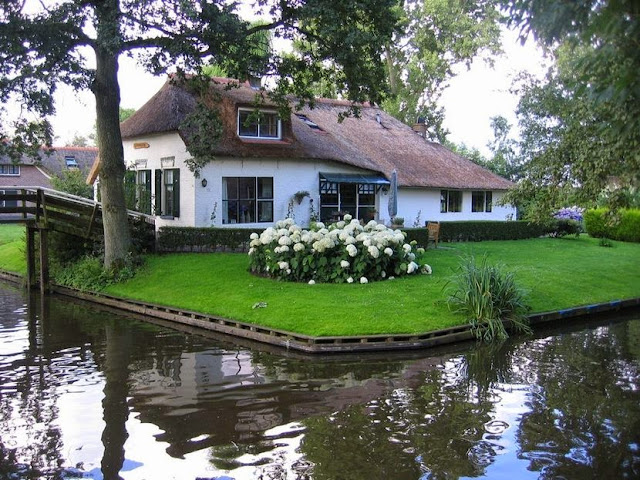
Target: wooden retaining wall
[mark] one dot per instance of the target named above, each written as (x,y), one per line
(317,345)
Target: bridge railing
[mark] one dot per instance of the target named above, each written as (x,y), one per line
(56,210)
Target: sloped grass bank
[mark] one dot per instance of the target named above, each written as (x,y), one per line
(12,248)
(557,273)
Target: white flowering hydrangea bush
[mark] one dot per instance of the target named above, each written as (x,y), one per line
(343,252)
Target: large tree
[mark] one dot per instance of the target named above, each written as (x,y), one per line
(437,36)
(79,43)
(581,124)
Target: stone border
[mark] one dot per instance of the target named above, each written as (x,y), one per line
(316,345)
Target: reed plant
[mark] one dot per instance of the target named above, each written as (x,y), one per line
(489,298)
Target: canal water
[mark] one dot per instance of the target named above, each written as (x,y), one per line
(90,394)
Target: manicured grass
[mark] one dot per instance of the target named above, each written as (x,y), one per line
(557,273)
(12,248)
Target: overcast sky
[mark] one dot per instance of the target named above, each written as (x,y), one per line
(473,97)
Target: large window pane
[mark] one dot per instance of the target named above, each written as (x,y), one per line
(265,187)
(247,127)
(240,204)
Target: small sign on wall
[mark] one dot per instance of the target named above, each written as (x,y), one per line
(139,145)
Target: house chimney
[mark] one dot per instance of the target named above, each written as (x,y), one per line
(420,127)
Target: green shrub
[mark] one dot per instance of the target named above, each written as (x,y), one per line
(208,239)
(479,230)
(562,227)
(624,225)
(628,230)
(488,297)
(595,223)
(88,273)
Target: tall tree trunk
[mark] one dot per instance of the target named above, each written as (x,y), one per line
(106,89)
(391,70)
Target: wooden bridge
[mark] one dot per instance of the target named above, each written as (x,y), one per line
(43,210)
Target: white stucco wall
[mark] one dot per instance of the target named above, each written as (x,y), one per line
(289,177)
(166,145)
(197,202)
(426,202)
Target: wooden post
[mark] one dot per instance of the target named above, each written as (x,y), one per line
(44,262)
(31,257)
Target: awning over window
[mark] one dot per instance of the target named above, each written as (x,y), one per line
(353,178)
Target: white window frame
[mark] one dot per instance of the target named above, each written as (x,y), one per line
(7,173)
(259,137)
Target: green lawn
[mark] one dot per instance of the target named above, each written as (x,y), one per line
(12,248)
(557,274)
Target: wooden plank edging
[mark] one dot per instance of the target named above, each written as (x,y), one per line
(310,344)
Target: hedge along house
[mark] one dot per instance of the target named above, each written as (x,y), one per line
(264,168)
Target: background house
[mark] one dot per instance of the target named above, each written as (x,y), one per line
(262,161)
(30,172)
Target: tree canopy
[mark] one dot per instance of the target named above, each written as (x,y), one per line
(581,123)
(436,36)
(79,43)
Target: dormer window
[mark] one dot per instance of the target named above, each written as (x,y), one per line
(263,124)
(70,161)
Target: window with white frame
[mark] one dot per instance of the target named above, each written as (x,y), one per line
(10,170)
(450,201)
(247,200)
(259,124)
(481,201)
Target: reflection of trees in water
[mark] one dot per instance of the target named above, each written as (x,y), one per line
(435,429)
(585,419)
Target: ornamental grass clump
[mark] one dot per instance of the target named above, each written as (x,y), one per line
(488,297)
(343,252)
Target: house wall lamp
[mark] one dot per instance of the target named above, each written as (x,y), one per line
(204,182)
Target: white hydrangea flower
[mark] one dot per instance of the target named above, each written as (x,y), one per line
(284,248)
(406,247)
(347,218)
(340,224)
(373,251)
(364,280)
(283,265)
(350,280)
(366,242)
(344,264)
(312,282)
(350,240)
(411,256)
(383,274)
(421,251)
(352,250)
(426,269)
(298,247)
(388,251)
(254,236)
(319,225)
(252,250)
(412,267)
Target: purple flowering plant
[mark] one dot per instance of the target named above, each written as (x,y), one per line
(569,213)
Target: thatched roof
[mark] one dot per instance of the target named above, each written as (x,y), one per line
(376,141)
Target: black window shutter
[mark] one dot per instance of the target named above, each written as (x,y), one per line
(176,192)
(158,202)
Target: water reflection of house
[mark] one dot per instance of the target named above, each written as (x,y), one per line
(215,397)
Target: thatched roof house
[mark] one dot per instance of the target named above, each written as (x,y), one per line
(375,141)
(375,144)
